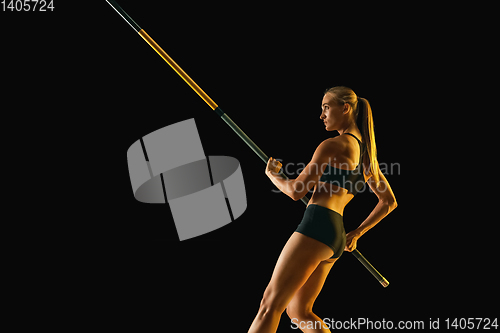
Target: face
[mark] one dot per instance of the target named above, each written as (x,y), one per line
(332,114)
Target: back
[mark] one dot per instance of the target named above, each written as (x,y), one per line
(351,180)
(343,178)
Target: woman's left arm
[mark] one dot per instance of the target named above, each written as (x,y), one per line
(309,177)
(386,204)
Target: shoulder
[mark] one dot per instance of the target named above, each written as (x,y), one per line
(331,147)
(337,144)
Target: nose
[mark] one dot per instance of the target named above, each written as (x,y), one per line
(322,116)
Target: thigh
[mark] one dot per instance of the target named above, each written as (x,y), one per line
(304,298)
(298,260)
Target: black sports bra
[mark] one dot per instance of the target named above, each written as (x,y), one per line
(351,180)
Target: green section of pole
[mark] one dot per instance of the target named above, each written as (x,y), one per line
(245,137)
(125,16)
(383,281)
(224,116)
(253,146)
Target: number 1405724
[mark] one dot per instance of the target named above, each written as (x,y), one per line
(471,323)
(27,5)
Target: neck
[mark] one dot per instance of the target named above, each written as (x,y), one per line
(349,128)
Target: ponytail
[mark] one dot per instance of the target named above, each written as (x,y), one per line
(365,119)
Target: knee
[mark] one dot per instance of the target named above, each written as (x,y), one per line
(298,310)
(271,304)
(291,312)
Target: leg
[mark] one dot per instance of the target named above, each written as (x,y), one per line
(298,260)
(300,307)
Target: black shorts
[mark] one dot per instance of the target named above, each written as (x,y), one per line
(324,225)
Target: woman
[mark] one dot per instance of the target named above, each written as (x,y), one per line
(339,167)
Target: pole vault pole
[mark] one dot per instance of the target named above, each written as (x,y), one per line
(224,116)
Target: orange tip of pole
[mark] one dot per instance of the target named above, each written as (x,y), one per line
(177,69)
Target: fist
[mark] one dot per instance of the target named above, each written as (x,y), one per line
(351,241)
(273,166)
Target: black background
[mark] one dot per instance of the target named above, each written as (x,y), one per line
(267,67)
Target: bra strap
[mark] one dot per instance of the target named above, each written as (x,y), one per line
(353,137)
(361,150)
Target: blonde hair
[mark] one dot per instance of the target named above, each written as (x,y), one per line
(364,120)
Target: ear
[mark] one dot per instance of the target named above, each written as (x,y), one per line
(347,108)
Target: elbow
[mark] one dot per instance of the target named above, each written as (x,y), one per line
(296,196)
(391,204)
(300,189)
(297,191)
